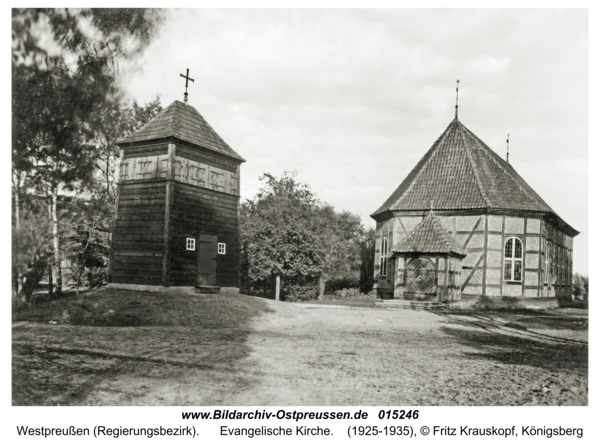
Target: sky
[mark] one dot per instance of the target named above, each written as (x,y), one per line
(352,99)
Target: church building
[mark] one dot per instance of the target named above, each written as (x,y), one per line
(177,213)
(464,226)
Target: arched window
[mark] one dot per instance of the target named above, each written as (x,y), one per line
(513,259)
(384,249)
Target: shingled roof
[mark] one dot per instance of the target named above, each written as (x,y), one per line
(185,123)
(460,172)
(429,236)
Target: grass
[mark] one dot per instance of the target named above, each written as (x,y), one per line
(119,308)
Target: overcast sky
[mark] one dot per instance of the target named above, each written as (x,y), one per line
(352,99)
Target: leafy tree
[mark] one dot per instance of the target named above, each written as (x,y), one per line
(278,238)
(114,119)
(367,260)
(580,286)
(65,66)
(338,236)
(105,34)
(86,240)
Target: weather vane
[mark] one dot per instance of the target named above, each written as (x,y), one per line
(187,78)
(456,106)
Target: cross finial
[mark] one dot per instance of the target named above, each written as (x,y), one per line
(456,106)
(187,78)
(507,136)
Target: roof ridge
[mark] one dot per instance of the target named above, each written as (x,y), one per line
(436,148)
(473,166)
(503,168)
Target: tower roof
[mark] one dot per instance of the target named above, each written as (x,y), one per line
(429,236)
(185,123)
(460,172)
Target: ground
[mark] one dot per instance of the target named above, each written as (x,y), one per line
(112,347)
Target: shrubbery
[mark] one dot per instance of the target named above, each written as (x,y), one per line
(354,294)
(302,293)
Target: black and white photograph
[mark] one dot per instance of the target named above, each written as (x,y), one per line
(273,210)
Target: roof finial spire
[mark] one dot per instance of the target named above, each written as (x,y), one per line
(507,136)
(456,106)
(187,78)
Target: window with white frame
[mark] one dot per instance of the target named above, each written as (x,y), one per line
(190,244)
(513,259)
(221,248)
(383,266)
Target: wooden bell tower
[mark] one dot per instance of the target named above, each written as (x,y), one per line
(177,212)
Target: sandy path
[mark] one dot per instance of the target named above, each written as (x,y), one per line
(306,355)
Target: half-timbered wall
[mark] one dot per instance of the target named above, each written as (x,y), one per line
(484,236)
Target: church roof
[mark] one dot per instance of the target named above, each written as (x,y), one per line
(460,172)
(185,123)
(429,236)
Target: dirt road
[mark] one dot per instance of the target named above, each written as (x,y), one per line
(310,355)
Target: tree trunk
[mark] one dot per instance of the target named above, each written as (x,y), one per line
(277,282)
(18,272)
(50,279)
(17,206)
(322,284)
(55,240)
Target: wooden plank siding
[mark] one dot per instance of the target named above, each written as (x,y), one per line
(195,211)
(137,238)
(170,191)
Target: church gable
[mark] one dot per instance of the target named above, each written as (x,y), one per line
(430,237)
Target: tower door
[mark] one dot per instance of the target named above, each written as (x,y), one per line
(420,279)
(207,260)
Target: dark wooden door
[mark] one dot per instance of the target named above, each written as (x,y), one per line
(207,260)
(420,279)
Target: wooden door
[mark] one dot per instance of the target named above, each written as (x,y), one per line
(420,279)
(207,260)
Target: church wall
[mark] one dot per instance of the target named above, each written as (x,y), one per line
(137,247)
(484,236)
(557,262)
(196,210)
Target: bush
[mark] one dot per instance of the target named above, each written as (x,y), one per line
(348,293)
(302,293)
(96,277)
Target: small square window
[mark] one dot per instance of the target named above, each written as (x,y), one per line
(221,248)
(190,244)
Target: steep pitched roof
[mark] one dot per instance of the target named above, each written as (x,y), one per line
(184,122)
(461,172)
(429,237)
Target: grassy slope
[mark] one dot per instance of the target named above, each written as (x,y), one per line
(118,308)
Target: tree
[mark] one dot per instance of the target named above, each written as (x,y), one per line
(278,238)
(65,67)
(580,286)
(114,119)
(338,236)
(367,260)
(52,118)
(108,35)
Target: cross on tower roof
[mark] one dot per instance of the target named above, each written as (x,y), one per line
(187,78)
